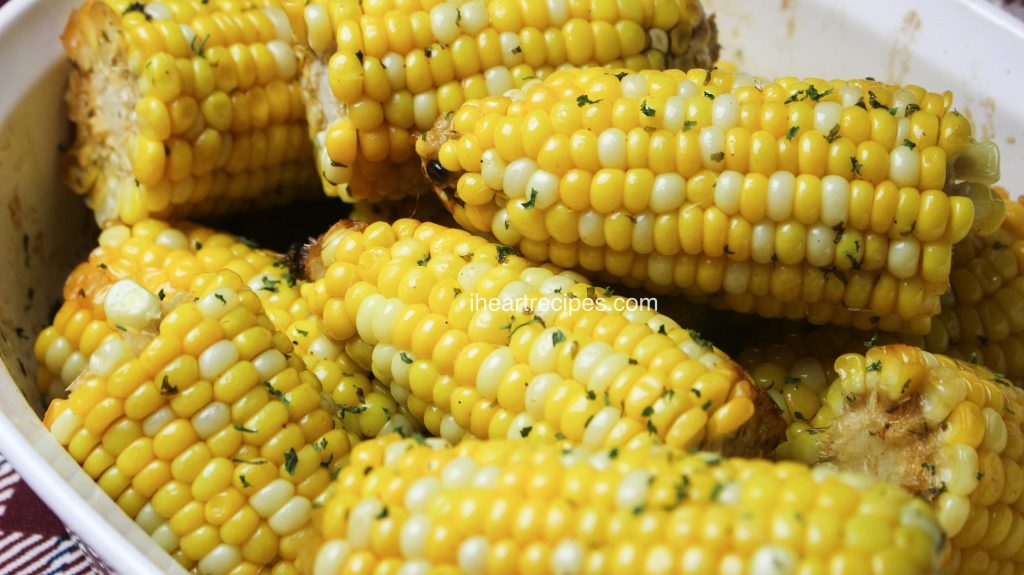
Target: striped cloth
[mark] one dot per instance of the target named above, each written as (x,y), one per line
(32,540)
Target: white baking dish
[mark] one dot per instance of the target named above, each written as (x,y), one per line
(964,45)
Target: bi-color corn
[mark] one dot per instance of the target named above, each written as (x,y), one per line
(511,507)
(476,341)
(205,428)
(834,201)
(184,108)
(378,72)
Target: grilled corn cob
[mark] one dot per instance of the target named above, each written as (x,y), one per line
(185,107)
(205,429)
(475,340)
(378,71)
(836,201)
(155,257)
(948,431)
(506,507)
(982,318)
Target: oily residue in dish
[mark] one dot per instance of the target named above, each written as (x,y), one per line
(900,57)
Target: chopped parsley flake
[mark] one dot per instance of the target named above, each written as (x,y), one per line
(646,110)
(242,428)
(584,100)
(875,366)
(405,357)
(291,459)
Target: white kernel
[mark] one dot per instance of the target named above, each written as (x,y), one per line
(668,193)
(318,27)
(492,169)
(737,278)
(221,560)
(413,538)
(674,117)
(567,558)
(952,512)
(821,247)
(65,426)
(292,516)
(158,11)
(110,355)
(331,556)
(540,386)
(904,257)
(148,519)
(217,359)
(365,315)
(211,419)
(165,537)
(487,477)
(596,432)
(414,568)
(282,25)
(131,305)
(173,239)
(394,66)
(558,12)
(712,145)
(517,177)
(424,109)
(728,189)
(286,62)
(762,242)
(591,228)
(385,319)
(827,116)
(542,188)
(444,21)
(470,274)
(632,490)
(458,474)
(835,200)
(360,522)
(544,351)
(474,16)
(688,89)
(502,229)
(611,148)
(901,99)
(904,166)
(634,86)
(493,370)
(773,560)
(780,196)
(511,50)
(643,233)
(73,366)
(115,236)
(324,349)
(222,300)
(272,497)
(606,370)
(498,80)
(450,430)
(269,363)
(520,426)
(418,496)
(157,420)
(472,556)
(850,95)
(57,354)
(725,111)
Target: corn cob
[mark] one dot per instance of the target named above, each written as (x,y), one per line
(205,429)
(378,71)
(507,507)
(165,260)
(982,318)
(184,107)
(414,301)
(947,431)
(838,202)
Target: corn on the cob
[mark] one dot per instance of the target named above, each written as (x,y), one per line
(475,340)
(185,107)
(165,260)
(379,71)
(982,318)
(506,507)
(204,428)
(948,431)
(835,201)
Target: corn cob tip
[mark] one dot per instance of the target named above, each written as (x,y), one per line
(306,261)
